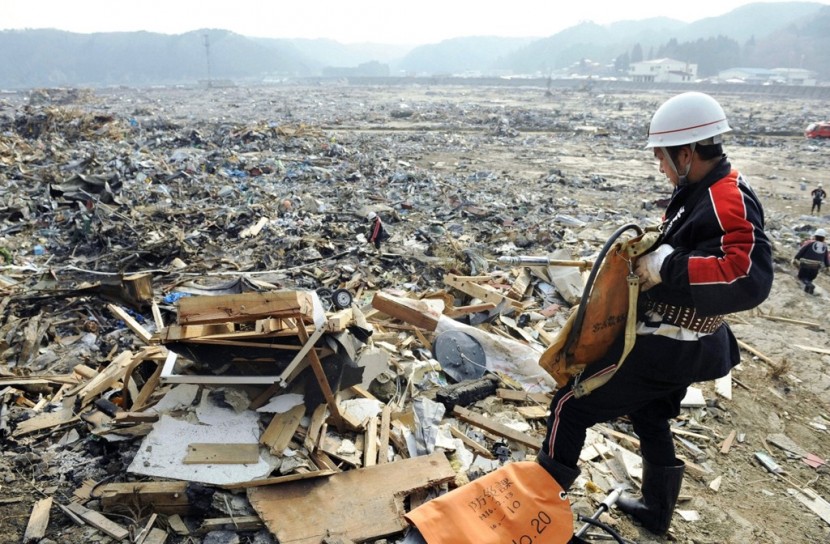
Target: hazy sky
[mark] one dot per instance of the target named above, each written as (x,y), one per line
(347,21)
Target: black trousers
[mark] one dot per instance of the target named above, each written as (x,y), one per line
(648,387)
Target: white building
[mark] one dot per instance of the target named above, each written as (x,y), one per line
(662,71)
(763,76)
(795,76)
(757,76)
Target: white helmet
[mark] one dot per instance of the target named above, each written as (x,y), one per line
(687,118)
(820,233)
(371,216)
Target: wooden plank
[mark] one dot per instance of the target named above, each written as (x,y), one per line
(38,521)
(136,417)
(131,323)
(727,444)
(281,429)
(523,396)
(156,536)
(318,418)
(361,504)
(157,318)
(45,421)
(237,523)
(370,443)
(338,321)
(322,381)
(145,531)
(383,442)
(520,285)
(414,312)
(813,501)
(245,307)
(277,480)
(162,497)
(221,454)
(173,333)
(458,311)
(99,521)
(495,427)
(150,387)
(477,448)
(481,292)
(106,378)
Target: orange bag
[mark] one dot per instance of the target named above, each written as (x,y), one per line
(606,310)
(519,503)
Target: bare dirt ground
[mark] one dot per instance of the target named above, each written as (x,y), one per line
(528,158)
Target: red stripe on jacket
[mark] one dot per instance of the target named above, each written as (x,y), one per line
(737,242)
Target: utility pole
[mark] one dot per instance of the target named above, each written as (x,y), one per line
(207,54)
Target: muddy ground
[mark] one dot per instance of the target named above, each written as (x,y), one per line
(527,157)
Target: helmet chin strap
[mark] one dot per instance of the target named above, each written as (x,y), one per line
(682,179)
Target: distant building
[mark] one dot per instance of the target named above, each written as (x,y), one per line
(367,69)
(756,76)
(764,76)
(795,76)
(662,71)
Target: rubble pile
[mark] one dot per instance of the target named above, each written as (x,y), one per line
(199,344)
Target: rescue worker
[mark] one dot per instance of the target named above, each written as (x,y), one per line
(377,233)
(818,195)
(713,259)
(811,257)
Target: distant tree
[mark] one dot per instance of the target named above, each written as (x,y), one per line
(650,53)
(622,62)
(637,53)
(710,54)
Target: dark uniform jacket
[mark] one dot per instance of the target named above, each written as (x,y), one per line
(722,259)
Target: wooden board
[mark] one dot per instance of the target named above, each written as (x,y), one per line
(38,521)
(281,429)
(245,307)
(98,521)
(45,421)
(415,312)
(360,504)
(221,454)
(161,497)
(496,428)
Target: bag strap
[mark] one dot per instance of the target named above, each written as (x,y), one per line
(585,387)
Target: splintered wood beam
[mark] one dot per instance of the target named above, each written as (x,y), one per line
(38,521)
(383,441)
(322,380)
(481,292)
(495,427)
(162,497)
(131,323)
(99,521)
(520,285)
(281,429)
(414,312)
(245,307)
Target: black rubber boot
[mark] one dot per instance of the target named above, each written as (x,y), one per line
(564,475)
(661,487)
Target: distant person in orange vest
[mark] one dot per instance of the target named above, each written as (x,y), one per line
(812,257)
(377,233)
(818,195)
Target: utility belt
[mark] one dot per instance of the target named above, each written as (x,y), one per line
(683,316)
(809,263)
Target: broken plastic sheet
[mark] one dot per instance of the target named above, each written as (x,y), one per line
(162,452)
(517,360)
